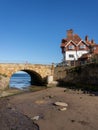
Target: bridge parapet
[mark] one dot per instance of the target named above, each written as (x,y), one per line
(9,69)
(37,72)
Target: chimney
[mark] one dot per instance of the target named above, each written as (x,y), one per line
(69,33)
(86,38)
(92,41)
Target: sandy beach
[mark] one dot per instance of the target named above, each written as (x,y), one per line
(80,114)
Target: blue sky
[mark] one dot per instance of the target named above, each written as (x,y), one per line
(31,30)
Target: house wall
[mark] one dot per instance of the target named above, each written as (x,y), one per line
(71,44)
(82,43)
(96,49)
(76,54)
(81,52)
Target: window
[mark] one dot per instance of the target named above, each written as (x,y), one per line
(82,46)
(71,56)
(70,47)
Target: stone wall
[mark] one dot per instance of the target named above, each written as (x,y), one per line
(60,72)
(81,75)
(9,69)
(3,82)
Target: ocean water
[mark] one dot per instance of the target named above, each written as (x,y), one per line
(20,80)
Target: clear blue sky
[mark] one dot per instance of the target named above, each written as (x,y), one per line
(31,30)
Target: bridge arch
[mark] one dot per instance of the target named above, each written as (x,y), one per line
(36,78)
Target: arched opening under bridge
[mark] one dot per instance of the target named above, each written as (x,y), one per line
(25,78)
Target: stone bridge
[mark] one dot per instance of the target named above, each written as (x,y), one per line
(37,72)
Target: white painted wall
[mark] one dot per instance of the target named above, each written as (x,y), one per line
(76,54)
(80,53)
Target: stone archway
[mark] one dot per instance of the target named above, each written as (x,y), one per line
(36,78)
(23,79)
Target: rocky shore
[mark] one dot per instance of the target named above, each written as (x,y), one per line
(50,109)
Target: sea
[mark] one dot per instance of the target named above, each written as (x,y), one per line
(20,81)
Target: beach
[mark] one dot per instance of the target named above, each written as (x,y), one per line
(38,110)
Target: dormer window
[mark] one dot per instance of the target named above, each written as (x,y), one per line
(71,47)
(82,46)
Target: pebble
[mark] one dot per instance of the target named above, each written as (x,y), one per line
(35,118)
(63,109)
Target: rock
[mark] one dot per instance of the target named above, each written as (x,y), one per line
(63,109)
(13,109)
(65,90)
(51,96)
(61,104)
(91,94)
(35,118)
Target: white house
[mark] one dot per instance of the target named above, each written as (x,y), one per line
(73,47)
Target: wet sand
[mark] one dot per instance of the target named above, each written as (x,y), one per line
(81,113)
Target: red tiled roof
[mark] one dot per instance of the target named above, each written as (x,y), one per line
(75,38)
(90,43)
